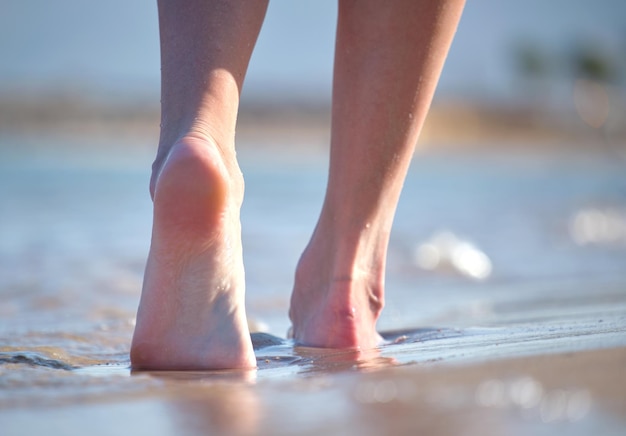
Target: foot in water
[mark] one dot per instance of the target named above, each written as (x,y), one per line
(191,314)
(338,293)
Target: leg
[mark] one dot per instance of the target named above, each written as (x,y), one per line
(388,59)
(191,314)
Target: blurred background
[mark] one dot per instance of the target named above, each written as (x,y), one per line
(544,68)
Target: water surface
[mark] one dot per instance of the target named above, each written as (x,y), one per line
(75,229)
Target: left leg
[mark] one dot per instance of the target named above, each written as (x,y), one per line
(192,314)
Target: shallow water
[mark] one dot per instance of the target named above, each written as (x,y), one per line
(75,228)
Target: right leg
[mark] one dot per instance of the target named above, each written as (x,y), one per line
(388,58)
(191,314)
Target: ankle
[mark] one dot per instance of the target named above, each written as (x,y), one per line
(344,276)
(351,252)
(202,152)
(341,313)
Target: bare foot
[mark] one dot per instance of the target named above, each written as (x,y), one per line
(191,314)
(338,293)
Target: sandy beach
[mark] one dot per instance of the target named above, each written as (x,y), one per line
(575,393)
(528,336)
(505,287)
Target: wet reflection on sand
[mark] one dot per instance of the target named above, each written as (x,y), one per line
(542,394)
(520,305)
(333,361)
(211,402)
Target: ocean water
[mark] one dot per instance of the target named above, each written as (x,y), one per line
(492,255)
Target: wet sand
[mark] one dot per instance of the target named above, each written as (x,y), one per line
(531,342)
(565,393)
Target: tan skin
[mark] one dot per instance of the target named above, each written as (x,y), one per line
(389,56)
